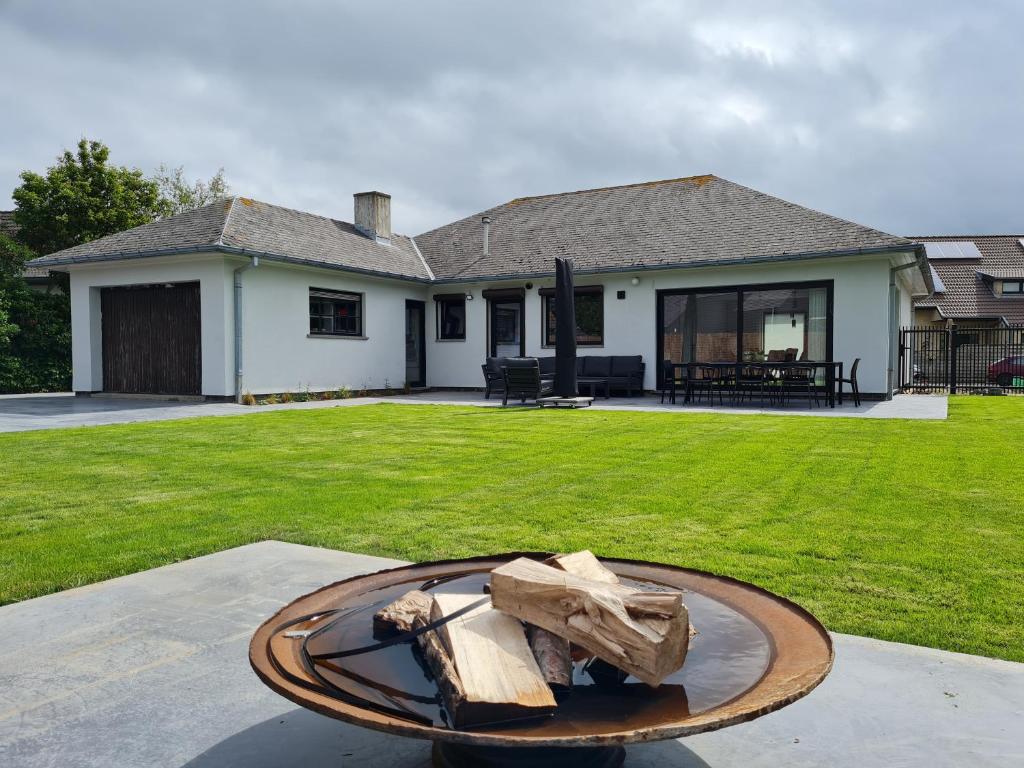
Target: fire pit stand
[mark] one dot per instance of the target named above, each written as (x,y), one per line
(755,652)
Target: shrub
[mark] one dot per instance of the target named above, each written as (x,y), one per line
(248,399)
(344,393)
(286,397)
(271,400)
(327,395)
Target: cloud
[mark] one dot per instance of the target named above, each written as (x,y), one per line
(900,116)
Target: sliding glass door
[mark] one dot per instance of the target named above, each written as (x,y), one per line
(777,322)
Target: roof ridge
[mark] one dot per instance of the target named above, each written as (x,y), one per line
(251,200)
(831,216)
(700,180)
(964,237)
(227,218)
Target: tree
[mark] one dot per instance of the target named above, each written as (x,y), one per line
(178,195)
(82,198)
(35,329)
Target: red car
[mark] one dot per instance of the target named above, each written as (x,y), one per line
(1003,372)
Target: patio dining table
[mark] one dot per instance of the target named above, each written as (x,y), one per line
(833,373)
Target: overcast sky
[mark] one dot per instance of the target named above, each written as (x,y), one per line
(904,116)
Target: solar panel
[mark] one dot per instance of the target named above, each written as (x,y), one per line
(952,249)
(937,281)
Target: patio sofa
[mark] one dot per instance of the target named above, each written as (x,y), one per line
(622,372)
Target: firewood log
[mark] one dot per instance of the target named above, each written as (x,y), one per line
(412,611)
(499,675)
(552,655)
(643,633)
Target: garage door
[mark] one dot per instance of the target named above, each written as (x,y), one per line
(151,339)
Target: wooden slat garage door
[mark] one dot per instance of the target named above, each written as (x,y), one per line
(151,339)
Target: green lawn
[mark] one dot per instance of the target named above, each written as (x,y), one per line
(900,530)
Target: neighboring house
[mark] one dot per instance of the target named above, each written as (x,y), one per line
(979,282)
(38,278)
(245,296)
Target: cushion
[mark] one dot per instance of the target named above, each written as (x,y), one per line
(626,365)
(580,363)
(547,364)
(494,364)
(520,362)
(597,365)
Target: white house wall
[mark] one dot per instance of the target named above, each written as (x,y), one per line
(214,277)
(860,315)
(278,352)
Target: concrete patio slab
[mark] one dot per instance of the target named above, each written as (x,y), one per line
(20,413)
(152,670)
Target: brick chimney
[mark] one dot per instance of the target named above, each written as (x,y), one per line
(373,215)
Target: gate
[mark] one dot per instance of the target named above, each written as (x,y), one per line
(962,359)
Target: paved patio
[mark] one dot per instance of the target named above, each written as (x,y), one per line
(19,413)
(152,670)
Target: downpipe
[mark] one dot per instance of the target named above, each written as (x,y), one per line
(894,324)
(253,263)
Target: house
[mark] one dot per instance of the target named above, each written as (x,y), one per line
(979,282)
(38,278)
(245,296)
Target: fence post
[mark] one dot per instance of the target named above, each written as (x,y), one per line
(951,346)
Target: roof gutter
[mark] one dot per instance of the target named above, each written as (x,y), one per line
(225,249)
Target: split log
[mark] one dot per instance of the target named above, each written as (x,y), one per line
(584,564)
(499,675)
(412,611)
(643,633)
(400,615)
(552,655)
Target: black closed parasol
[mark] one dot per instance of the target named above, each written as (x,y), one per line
(565,329)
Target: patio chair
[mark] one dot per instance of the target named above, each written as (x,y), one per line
(799,380)
(755,380)
(522,380)
(852,381)
(494,379)
(711,380)
(672,378)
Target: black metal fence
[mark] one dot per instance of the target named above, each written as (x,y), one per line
(962,359)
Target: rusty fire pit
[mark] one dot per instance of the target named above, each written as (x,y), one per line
(755,652)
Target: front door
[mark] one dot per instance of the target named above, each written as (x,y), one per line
(415,349)
(507,329)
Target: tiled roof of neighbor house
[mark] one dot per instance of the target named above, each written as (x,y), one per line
(241,225)
(9,228)
(968,294)
(678,222)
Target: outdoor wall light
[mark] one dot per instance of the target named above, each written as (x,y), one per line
(634,281)
(469,295)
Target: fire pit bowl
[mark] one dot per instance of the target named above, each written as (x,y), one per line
(755,652)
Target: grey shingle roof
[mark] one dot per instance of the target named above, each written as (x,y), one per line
(241,225)
(679,222)
(685,222)
(968,294)
(9,228)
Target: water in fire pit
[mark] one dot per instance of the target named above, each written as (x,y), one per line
(728,656)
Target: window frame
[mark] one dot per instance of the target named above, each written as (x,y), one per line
(441,301)
(1019,288)
(547,295)
(740,290)
(336,295)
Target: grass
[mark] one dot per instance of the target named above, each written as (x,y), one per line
(901,530)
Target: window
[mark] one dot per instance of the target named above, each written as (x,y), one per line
(451,316)
(335,313)
(589,316)
(1013,286)
(778,322)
